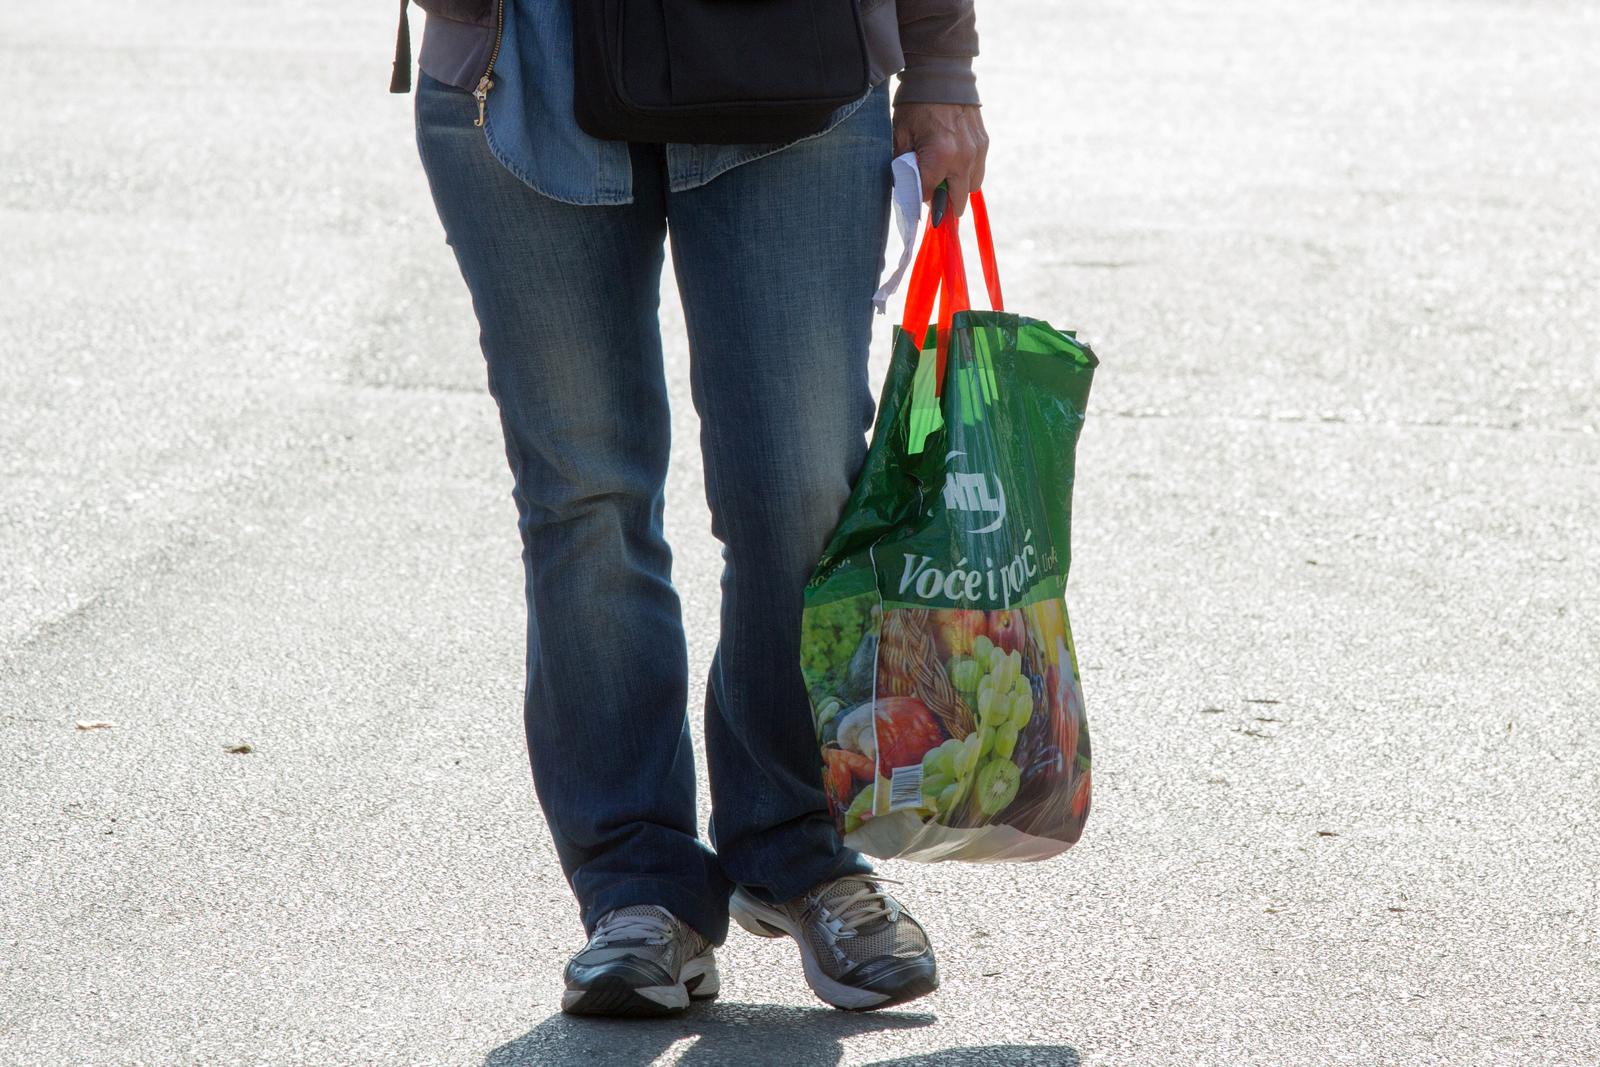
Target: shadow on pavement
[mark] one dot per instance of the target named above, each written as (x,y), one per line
(731,1034)
(990,1056)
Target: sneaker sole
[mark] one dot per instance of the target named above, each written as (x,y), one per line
(764,921)
(615,997)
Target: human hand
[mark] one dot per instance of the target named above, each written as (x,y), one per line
(951,146)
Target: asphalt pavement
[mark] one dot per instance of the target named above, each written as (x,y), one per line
(1336,579)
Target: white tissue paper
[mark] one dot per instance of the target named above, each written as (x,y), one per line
(907,214)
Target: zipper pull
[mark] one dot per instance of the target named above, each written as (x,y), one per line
(481,95)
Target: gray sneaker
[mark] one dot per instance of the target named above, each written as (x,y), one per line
(641,960)
(859,946)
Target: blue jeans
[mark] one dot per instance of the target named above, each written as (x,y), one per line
(776,262)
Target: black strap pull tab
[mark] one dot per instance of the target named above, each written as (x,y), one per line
(400,80)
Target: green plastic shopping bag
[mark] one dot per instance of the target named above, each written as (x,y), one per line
(935,643)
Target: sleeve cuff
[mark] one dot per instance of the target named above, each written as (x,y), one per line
(937,80)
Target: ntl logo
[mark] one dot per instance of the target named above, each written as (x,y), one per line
(970,492)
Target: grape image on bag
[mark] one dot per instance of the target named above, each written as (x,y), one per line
(936,649)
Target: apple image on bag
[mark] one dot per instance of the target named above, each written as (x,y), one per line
(955,629)
(907,731)
(1007,630)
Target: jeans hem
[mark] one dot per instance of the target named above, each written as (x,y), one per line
(800,881)
(706,914)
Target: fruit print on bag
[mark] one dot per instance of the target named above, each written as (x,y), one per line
(980,709)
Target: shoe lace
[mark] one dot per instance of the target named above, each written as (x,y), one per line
(866,905)
(653,926)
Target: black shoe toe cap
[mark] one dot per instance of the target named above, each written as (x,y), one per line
(629,970)
(899,978)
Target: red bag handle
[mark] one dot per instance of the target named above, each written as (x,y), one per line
(991,273)
(923,287)
(940,272)
(952,298)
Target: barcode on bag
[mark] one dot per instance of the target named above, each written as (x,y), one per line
(905,787)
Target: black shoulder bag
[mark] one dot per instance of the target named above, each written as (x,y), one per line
(715,71)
